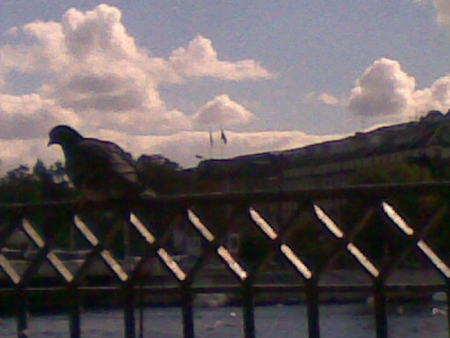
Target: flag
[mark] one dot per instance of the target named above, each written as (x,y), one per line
(223,136)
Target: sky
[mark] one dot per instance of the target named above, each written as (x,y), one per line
(157,77)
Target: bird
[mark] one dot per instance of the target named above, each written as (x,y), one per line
(100,169)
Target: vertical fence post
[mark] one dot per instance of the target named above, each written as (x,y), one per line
(448,306)
(130,330)
(22,320)
(379,298)
(74,313)
(187,312)
(141,311)
(312,305)
(248,310)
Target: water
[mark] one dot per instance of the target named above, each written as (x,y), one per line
(348,320)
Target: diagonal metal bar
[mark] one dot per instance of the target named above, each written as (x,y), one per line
(285,249)
(45,252)
(97,251)
(154,247)
(438,263)
(413,239)
(9,270)
(340,247)
(350,246)
(284,229)
(171,264)
(44,249)
(213,243)
(5,232)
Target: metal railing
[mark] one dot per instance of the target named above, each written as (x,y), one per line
(343,222)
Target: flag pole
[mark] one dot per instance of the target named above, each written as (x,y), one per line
(211,143)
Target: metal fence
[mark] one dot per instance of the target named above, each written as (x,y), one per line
(281,242)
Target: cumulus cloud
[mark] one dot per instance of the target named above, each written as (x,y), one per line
(200,59)
(383,89)
(96,78)
(222,112)
(93,67)
(27,116)
(437,97)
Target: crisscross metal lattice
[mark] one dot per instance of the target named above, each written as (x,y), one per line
(213,218)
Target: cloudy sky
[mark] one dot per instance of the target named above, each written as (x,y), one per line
(157,76)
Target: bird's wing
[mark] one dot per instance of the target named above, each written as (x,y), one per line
(93,159)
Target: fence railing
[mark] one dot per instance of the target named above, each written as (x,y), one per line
(245,244)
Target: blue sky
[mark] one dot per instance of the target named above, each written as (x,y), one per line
(155,76)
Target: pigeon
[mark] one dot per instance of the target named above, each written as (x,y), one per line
(101,170)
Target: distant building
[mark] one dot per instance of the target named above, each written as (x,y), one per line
(328,164)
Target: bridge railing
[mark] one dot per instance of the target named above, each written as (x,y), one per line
(309,242)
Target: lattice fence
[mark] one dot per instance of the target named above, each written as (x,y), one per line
(308,242)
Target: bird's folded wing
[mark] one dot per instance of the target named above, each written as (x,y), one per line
(99,159)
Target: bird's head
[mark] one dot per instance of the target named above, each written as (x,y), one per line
(63,135)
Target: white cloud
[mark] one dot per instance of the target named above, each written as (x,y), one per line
(324,97)
(15,152)
(437,97)
(383,89)
(31,116)
(200,59)
(328,99)
(20,151)
(97,79)
(222,112)
(92,66)
(99,31)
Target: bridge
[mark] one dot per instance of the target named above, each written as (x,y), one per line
(377,241)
